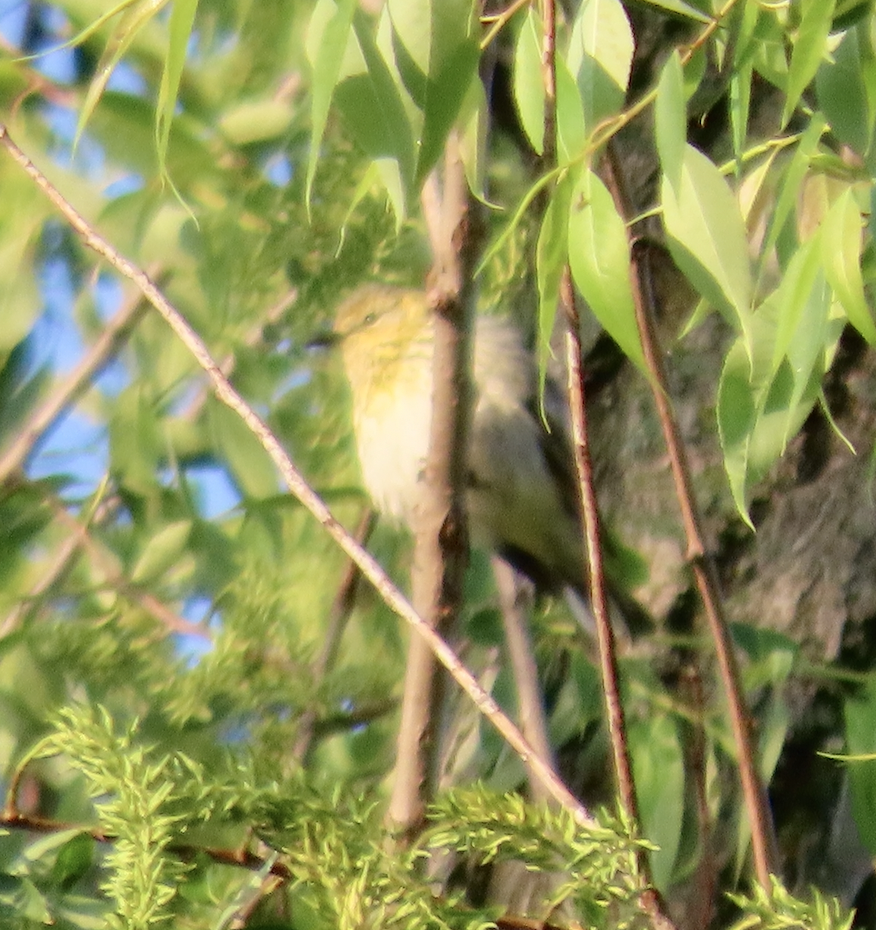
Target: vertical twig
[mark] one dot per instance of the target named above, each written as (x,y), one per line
(650,899)
(441,539)
(59,401)
(754,794)
(530,707)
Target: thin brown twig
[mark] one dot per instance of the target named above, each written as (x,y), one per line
(105,563)
(649,898)
(293,479)
(53,574)
(530,707)
(754,793)
(53,407)
(597,590)
(252,339)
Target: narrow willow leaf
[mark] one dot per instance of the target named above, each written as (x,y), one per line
(843,94)
(251,468)
(658,769)
(370,102)
(860,724)
(740,103)
(182,18)
(599,256)
(761,405)
(551,255)
(809,48)
(670,120)
(807,350)
(789,188)
(528,84)
(571,133)
(707,237)
(737,414)
(328,35)
(161,552)
(436,53)
(473,139)
(680,8)
(793,293)
(843,227)
(600,56)
(124,33)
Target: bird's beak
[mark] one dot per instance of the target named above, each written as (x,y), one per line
(324,340)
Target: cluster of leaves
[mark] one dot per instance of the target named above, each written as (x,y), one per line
(152,805)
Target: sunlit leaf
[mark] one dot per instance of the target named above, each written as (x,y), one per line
(571,132)
(182,18)
(842,238)
(670,120)
(123,34)
(809,48)
(551,256)
(436,53)
(161,552)
(680,8)
(846,88)
(599,57)
(328,35)
(528,82)
(707,237)
(789,188)
(599,255)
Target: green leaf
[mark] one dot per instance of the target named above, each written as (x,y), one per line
(842,240)
(551,255)
(658,771)
(810,46)
(793,294)
(600,56)
(707,237)
(135,16)
(842,88)
(437,53)
(789,189)
(473,138)
(740,101)
(182,18)
(370,101)
(860,721)
(599,255)
(680,8)
(528,83)
(761,403)
(670,120)
(737,415)
(328,35)
(162,551)
(571,133)
(253,471)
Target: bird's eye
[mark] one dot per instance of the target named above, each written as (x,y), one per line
(370,318)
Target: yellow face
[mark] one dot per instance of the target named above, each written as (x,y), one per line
(377,313)
(382,331)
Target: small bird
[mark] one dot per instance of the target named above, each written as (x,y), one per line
(520,493)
